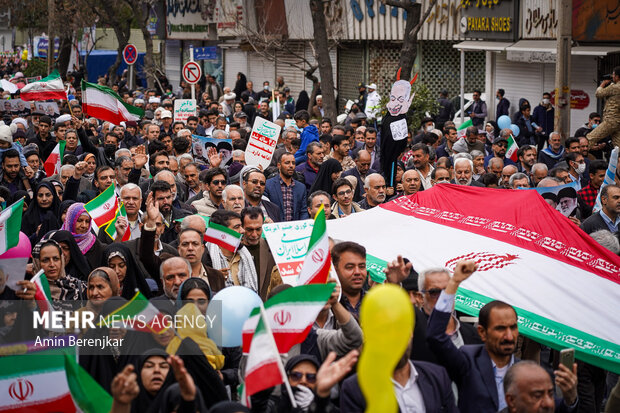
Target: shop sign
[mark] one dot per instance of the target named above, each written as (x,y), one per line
(579,99)
(489,19)
(539,19)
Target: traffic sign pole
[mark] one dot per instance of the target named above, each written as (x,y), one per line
(131,78)
(191,59)
(130,56)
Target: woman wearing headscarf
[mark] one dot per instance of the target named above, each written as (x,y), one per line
(241,85)
(42,213)
(77,222)
(102,284)
(76,263)
(47,256)
(329,171)
(303,101)
(91,165)
(120,259)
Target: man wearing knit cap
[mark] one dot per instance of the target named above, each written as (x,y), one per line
(44,139)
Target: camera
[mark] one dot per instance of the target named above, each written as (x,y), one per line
(606,77)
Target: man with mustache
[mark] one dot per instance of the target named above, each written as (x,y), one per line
(479,370)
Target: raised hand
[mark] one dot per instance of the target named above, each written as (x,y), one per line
(331,373)
(185,380)
(79,170)
(397,270)
(125,386)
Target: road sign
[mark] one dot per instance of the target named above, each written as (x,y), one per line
(205,53)
(191,72)
(130,54)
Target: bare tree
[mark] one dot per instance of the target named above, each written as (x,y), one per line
(141,10)
(413,25)
(321,46)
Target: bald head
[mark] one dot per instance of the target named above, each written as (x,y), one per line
(363,161)
(411,182)
(194,222)
(528,388)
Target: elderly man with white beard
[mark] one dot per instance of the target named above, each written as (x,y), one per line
(463,172)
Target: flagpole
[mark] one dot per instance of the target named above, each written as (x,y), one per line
(279,360)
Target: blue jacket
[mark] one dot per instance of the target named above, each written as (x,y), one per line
(309,134)
(470,367)
(432,379)
(274,193)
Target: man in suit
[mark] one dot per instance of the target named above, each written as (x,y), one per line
(288,194)
(479,370)
(419,386)
(317,110)
(463,173)
(608,217)
(252,219)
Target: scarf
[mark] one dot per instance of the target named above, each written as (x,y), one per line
(65,288)
(85,241)
(548,151)
(247,272)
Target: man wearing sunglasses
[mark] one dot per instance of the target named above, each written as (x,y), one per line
(499,147)
(214,182)
(253,184)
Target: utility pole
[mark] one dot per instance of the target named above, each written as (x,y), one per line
(51,8)
(562,68)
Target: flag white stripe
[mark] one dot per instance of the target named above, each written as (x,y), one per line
(46,386)
(310,266)
(301,316)
(262,352)
(4,217)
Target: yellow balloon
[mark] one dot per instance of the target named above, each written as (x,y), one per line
(387,319)
(25,54)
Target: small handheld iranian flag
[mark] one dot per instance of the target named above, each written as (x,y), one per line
(10,224)
(511,151)
(291,315)
(53,162)
(137,314)
(111,228)
(264,368)
(103,103)
(42,295)
(462,129)
(48,382)
(318,260)
(50,87)
(223,236)
(274,106)
(103,208)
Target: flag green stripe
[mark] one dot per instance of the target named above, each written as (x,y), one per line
(52,76)
(110,229)
(222,228)
(85,391)
(319,229)
(588,348)
(133,307)
(303,294)
(46,286)
(14,224)
(34,363)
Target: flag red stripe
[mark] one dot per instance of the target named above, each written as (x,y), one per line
(219,242)
(107,217)
(321,276)
(284,341)
(102,113)
(265,376)
(61,404)
(43,95)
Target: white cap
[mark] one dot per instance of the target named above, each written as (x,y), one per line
(229,96)
(154,100)
(21,121)
(5,134)
(138,101)
(165,114)
(63,118)
(372,86)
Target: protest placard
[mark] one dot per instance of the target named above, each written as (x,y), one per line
(288,242)
(563,198)
(203,148)
(262,143)
(49,108)
(183,109)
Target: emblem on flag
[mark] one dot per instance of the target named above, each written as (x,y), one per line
(485,260)
(282,317)
(21,389)
(318,255)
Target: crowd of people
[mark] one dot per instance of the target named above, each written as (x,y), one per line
(168,190)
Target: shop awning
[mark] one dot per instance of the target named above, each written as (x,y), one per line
(547,46)
(599,51)
(482,45)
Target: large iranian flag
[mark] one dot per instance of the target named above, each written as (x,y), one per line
(103,103)
(10,224)
(563,285)
(46,382)
(318,260)
(291,315)
(50,87)
(137,314)
(54,161)
(263,367)
(103,208)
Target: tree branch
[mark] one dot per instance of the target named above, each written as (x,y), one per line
(414,32)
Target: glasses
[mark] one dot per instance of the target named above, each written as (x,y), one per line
(297,376)
(218,182)
(257,182)
(502,144)
(433,292)
(343,193)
